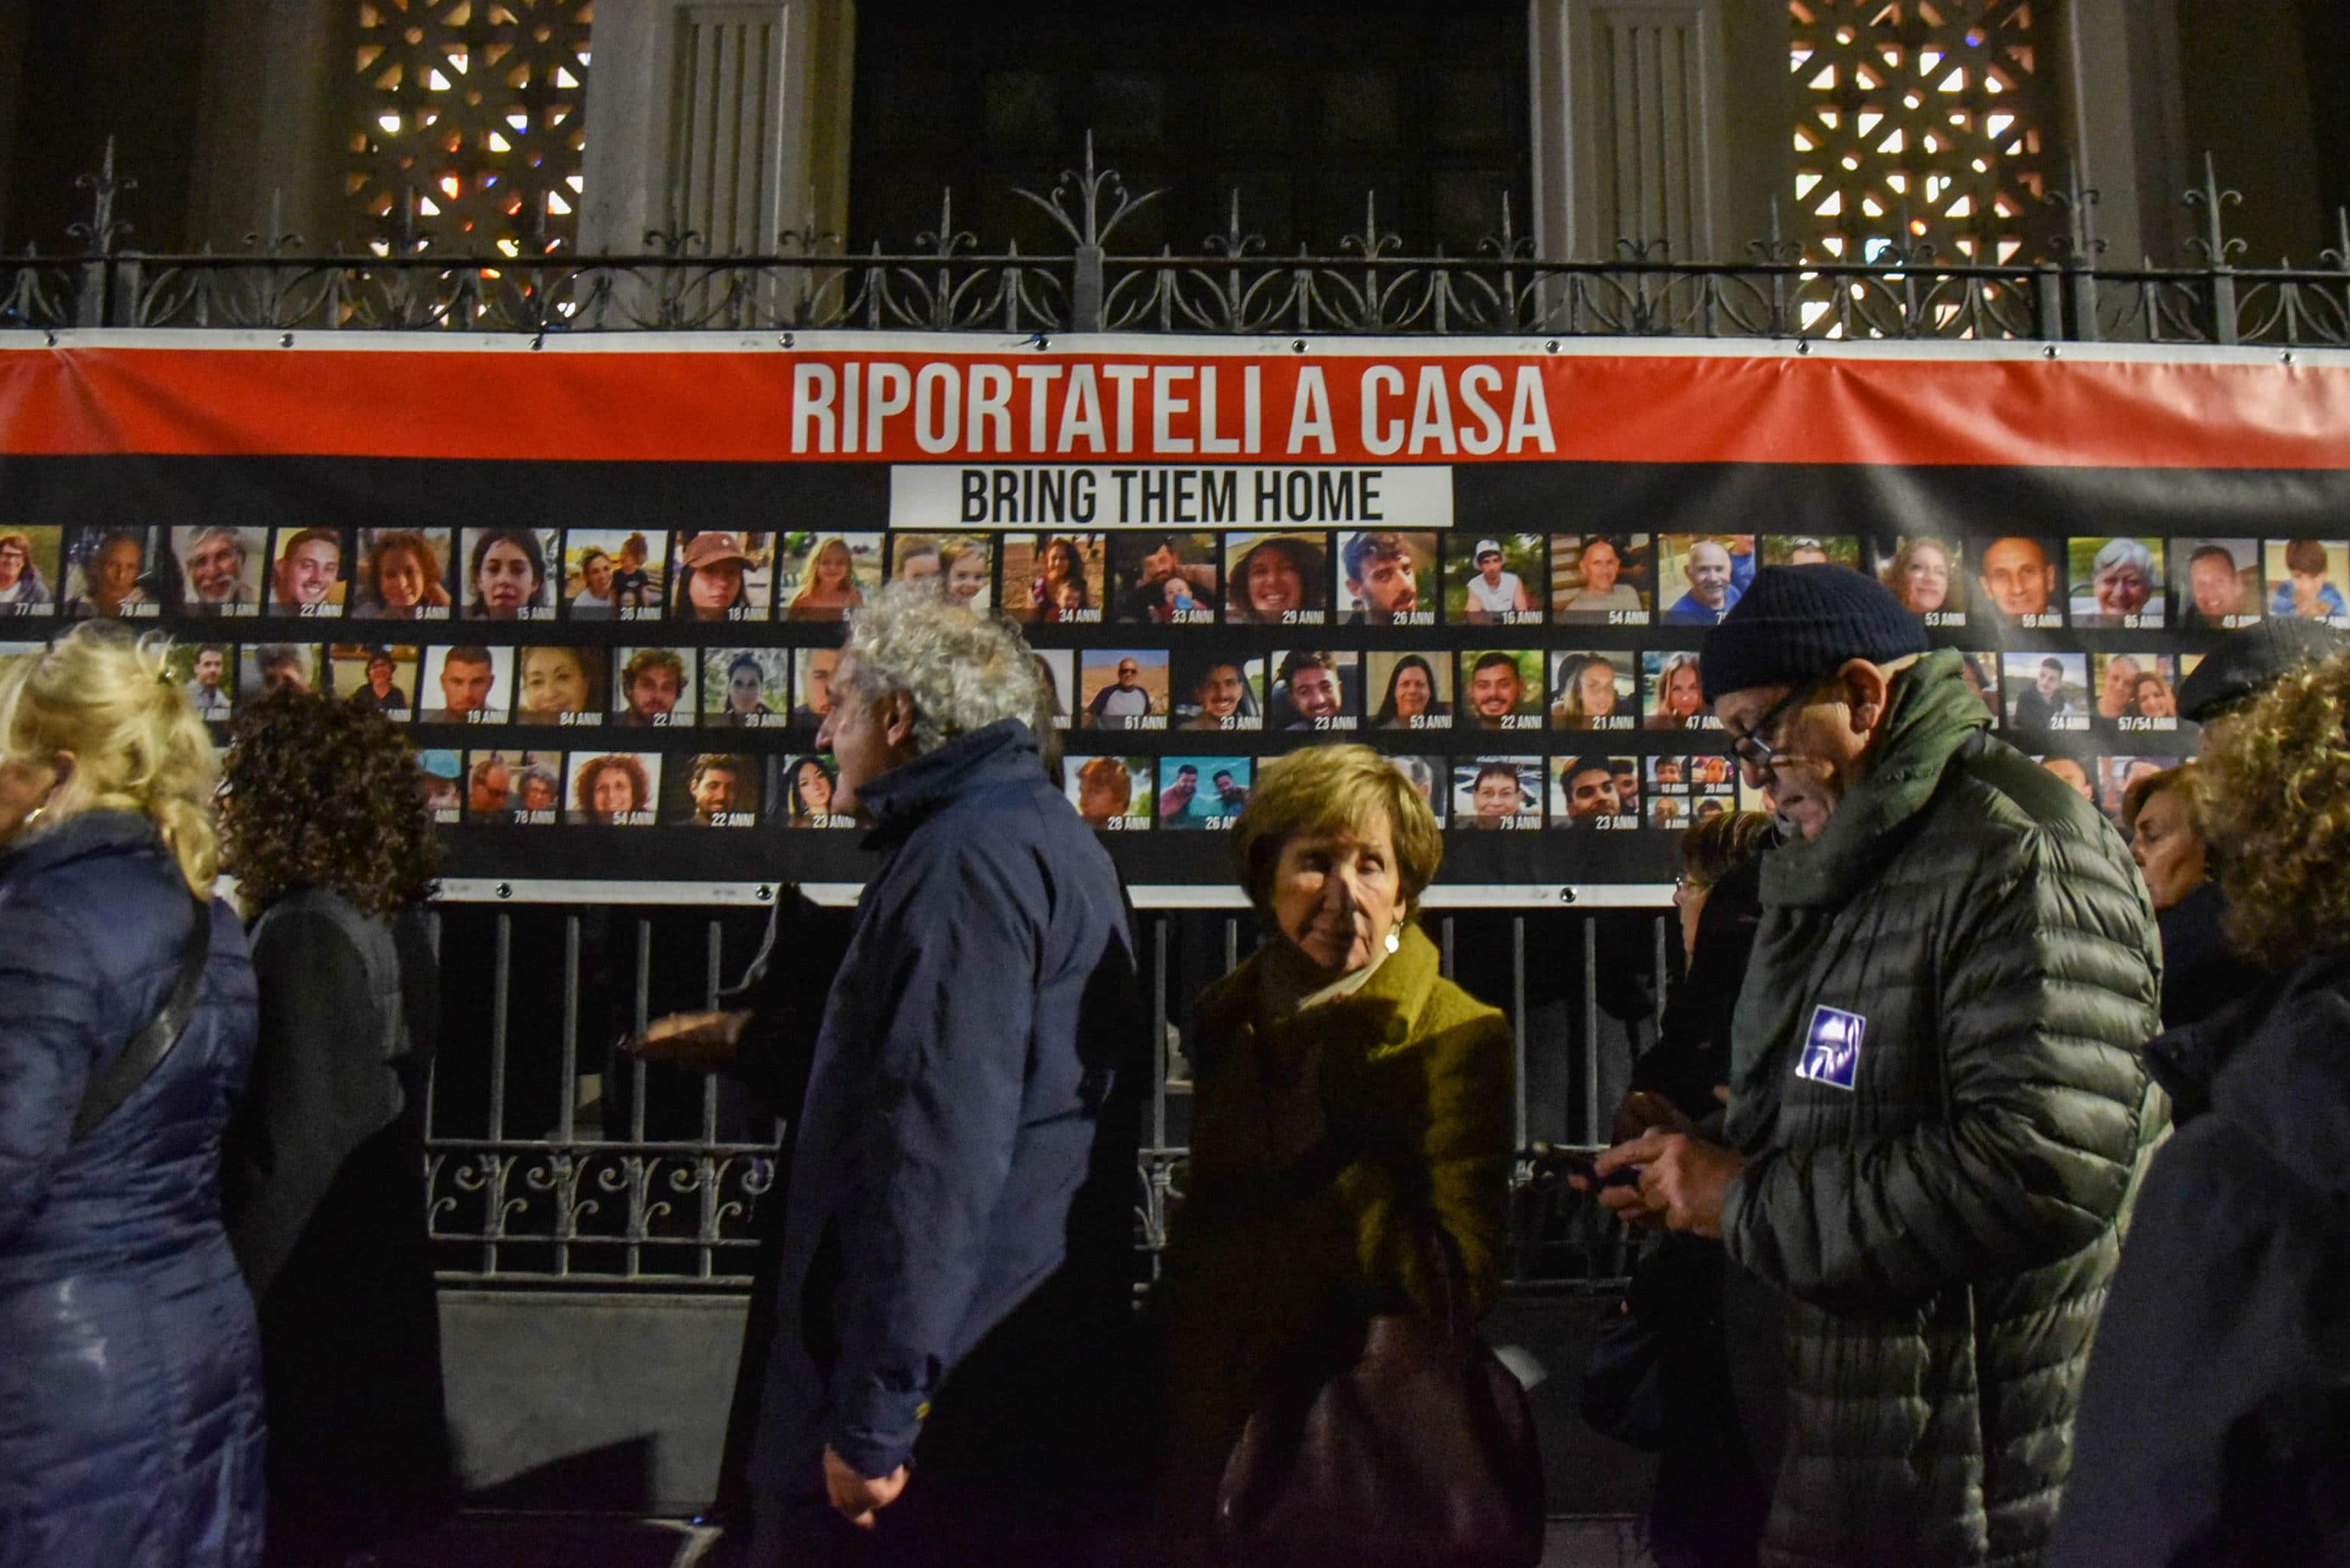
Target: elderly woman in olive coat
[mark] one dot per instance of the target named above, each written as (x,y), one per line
(1347,1096)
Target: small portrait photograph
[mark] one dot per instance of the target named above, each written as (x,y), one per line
(715,789)
(1055,579)
(441,780)
(2117,582)
(1980,671)
(613,789)
(466,683)
(1927,574)
(962,564)
(2304,579)
(1713,777)
(1123,689)
(1166,579)
(640,575)
(823,577)
(1495,579)
(746,688)
(1497,793)
(1432,777)
(220,568)
(650,687)
(525,788)
(812,684)
(207,671)
(1276,579)
(1670,792)
(1313,688)
(1201,792)
(1386,578)
(112,572)
(808,782)
(1601,579)
(378,677)
(29,569)
(1112,793)
(2079,774)
(1217,691)
(591,565)
(2215,584)
(1502,689)
(2046,692)
(270,665)
(722,576)
(1812,550)
(1408,691)
(1594,689)
(1700,576)
(2115,774)
(505,574)
(305,572)
(2136,692)
(555,684)
(1675,687)
(1586,792)
(2020,576)
(404,574)
(1056,667)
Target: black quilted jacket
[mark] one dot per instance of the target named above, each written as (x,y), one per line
(1940,1187)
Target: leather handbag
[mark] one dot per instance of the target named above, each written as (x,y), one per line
(1399,1441)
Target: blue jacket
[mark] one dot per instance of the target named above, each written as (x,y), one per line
(131,1422)
(958,1240)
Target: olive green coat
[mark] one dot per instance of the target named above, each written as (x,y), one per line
(1948,1224)
(1313,1140)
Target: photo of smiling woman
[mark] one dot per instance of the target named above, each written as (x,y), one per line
(1276,579)
(24,586)
(807,793)
(614,789)
(1417,696)
(558,685)
(505,573)
(401,571)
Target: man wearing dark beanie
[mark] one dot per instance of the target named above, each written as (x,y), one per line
(1939,1109)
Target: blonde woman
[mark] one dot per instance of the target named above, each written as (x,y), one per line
(132,1428)
(1347,1099)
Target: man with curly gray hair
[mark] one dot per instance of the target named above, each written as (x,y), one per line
(954,1301)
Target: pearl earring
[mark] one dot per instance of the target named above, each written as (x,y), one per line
(1395,938)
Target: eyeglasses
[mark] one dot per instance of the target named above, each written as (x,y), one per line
(1750,748)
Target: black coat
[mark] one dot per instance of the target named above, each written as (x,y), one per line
(2214,1429)
(326,1200)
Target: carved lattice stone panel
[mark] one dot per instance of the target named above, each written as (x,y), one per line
(1925,122)
(468,113)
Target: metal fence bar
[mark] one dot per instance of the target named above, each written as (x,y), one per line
(1159,1029)
(1518,1024)
(1591,1126)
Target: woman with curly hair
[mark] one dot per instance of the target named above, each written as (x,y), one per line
(131,1425)
(1058,591)
(1280,582)
(334,852)
(2213,1427)
(1924,576)
(609,788)
(400,578)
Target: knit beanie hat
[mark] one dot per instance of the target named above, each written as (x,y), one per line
(1797,624)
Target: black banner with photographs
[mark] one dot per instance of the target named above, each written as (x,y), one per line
(617,670)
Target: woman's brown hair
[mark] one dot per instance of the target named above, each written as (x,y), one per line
(321,793)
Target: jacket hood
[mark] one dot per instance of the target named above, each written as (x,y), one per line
(1933,712)
(2287,1085)
(84,832)
(905,797)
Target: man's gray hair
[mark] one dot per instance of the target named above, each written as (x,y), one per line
(965,670)
(2124,552)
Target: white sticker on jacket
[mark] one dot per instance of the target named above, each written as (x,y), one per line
(1832,1047)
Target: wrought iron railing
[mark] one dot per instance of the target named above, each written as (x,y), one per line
(1230,284)
(554,1161)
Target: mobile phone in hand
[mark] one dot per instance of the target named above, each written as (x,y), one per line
(1584,1167)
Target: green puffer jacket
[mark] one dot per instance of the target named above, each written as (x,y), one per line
(1940,1190)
